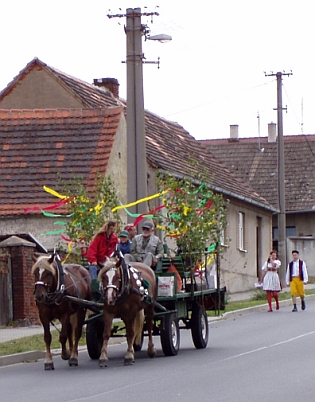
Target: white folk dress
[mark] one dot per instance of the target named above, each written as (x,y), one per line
(271,280)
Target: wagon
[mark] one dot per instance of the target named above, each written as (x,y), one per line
(175,309)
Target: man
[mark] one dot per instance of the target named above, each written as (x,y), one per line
(146,247)
(297,276)
(132,230)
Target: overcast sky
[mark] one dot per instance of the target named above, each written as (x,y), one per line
(211,74)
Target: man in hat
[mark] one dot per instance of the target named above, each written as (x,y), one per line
(297,276)
(146,247)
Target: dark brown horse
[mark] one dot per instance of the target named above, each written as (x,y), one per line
(129,293)
(53,282)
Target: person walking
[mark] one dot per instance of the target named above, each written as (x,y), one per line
(297,277)
(270,279)
(102,245)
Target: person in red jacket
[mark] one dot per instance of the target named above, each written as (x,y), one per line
(101,246)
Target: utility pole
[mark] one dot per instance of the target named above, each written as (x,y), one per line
(282,249)
(136,142)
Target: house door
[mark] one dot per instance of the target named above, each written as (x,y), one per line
(6,311)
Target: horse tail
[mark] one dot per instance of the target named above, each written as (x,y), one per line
(138,327)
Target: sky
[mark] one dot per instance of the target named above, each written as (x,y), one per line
(212,73)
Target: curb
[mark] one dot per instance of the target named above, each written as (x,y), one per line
(25,357)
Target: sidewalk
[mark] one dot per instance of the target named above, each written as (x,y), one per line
(11,333)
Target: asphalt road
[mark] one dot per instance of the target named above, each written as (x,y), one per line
(255,357)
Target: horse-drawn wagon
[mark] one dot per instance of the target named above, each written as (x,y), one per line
(170,301)
(183,299)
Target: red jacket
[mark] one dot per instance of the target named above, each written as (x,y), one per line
(100,248)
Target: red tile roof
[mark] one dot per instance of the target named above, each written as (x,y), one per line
(35,145)
(169,145)
(258,168)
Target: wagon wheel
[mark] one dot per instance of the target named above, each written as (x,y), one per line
(169,333)
(94,338)
(199,326)
(138,346)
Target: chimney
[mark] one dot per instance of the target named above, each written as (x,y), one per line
(234,132)
(272,132)
(109,83)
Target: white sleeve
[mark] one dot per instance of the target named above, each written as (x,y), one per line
(278,263)
(287,275)
(264,267)
(305,275)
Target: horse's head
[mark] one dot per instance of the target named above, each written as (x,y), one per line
(45,273)
(110,281)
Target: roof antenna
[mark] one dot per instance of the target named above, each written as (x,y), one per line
(258,119)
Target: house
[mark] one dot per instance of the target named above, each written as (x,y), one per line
(169,146)
(254,161)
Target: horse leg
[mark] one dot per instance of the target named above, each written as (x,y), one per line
(65,334)
(130,335)
(149,321)
(76,323)
(108,319)
(48,362)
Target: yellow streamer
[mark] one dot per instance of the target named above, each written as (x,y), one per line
(151,197)
(53,192)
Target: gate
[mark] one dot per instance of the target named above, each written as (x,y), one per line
(6,305)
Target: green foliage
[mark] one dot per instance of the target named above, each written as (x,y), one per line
(195,216)
(89,211)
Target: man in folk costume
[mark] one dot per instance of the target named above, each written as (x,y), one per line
(146,247)
(297,276)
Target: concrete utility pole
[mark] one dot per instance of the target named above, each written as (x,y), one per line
(136,143)
(282,249)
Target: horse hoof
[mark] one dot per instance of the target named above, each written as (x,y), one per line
(152,353)
(73,362)
(128,362)
(49,366)
(102,363)
(66,356)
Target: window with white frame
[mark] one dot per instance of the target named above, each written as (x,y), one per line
(241,231)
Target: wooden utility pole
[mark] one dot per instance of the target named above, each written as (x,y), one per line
(282,249)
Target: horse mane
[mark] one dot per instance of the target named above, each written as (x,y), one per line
(43,263)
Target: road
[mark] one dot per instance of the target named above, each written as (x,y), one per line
(256,357)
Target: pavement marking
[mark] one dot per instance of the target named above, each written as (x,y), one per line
(270,346)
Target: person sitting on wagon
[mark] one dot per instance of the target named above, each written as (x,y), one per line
(132,230)
(146,247)
(102,245)
(124,242)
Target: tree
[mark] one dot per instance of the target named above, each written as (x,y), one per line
(89,211)
(195,216)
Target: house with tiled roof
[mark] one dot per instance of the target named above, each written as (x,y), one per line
(39,146)
(169,148)
(255,161)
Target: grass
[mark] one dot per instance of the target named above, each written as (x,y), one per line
(36,342)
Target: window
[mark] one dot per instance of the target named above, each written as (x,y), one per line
(241,231)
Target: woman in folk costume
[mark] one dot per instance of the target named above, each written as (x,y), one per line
(270,279)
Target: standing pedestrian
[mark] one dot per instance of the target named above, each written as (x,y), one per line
(270,279)
(297,277)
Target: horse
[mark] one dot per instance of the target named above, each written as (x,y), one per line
(128,292)
(53,282)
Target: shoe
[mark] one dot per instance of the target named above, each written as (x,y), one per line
(277,307)
(270,310)
(303,306)
(294,309)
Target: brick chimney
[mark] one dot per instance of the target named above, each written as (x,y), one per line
(109,83)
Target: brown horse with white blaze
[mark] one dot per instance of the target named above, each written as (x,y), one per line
(128,292)
(53,282)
